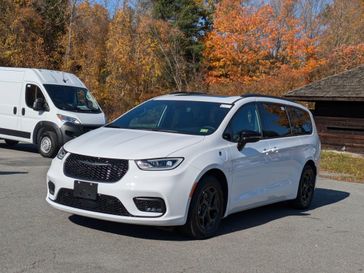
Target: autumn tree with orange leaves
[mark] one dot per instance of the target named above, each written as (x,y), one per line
(251,45)
(133,50)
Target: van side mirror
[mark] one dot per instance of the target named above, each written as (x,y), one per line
(39,105)
(248,137)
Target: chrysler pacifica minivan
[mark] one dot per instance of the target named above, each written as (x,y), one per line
(189,160)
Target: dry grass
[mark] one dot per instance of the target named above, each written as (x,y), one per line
(343,166)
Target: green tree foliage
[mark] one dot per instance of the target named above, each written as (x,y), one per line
(192,19)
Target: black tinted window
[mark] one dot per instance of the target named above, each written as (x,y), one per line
(32,92)
(187,117)
(300,121)
(274,119)
(70,98)
(245,119)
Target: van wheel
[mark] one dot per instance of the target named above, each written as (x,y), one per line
(306,188)
(48,144)
(11,142)
(206,209)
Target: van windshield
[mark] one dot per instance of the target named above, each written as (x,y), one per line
(185,117)
(74,99)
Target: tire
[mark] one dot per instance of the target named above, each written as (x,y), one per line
(11,142)
(206,209)
(306,188)
(48,144)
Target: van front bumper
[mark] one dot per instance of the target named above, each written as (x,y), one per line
(70,130)
(173,187)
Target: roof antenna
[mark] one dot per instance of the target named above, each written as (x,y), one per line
(64,79)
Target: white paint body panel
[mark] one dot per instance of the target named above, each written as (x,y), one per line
(12,94)
(264,172)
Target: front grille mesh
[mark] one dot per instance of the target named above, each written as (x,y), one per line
(94,168)
(103,204)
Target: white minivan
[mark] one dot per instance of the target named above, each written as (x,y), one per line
(189,159)
(44,107)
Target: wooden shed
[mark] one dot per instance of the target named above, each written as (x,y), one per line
(338,107)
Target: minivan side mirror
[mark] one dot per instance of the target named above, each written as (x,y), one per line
(39,105)
(248,137)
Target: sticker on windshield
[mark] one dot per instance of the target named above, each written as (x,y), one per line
(204,130)
(225,106)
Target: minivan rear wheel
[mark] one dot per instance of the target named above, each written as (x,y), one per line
(48,144)
(11,142)
(306,188)
(206,209)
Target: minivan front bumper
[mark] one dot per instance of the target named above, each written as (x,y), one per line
(173,187)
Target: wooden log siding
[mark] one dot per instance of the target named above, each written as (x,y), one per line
(341,133)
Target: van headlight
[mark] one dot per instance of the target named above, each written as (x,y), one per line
(159,164)
(61,153)
(68,119)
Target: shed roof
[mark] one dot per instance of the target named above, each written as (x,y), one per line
(346,86)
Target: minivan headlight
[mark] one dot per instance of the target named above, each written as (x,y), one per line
(68,119)
(61,153)
(159,164)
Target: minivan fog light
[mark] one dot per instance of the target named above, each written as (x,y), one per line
(159,164)
(150,204)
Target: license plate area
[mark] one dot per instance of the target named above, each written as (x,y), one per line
(85,190)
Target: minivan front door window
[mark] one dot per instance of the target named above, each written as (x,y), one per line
(71,98)
(245,120)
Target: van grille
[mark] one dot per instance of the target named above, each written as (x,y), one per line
(103,204)
(94,168)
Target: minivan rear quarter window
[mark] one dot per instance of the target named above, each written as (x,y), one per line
(274,120)
(300,121)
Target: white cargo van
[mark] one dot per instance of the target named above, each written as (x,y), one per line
(46,108)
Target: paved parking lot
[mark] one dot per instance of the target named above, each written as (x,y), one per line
(36,238)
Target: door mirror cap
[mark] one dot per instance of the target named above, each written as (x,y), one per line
(248,137)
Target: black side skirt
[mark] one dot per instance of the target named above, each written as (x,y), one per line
(16,133)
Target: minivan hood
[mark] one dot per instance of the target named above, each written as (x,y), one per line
(130,144)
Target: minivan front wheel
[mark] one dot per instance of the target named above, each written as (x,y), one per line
(47,144)
(306,188)
(206,209)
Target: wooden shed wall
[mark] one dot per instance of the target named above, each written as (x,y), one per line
(341,133)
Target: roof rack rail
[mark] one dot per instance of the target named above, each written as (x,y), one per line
(187,93)
(248,95)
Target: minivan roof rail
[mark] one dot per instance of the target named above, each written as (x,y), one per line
(187,93)
(248,95)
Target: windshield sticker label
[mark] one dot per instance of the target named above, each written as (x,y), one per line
(204,130)
(225,106)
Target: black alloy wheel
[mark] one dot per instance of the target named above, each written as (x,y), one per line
(306,188)
(206,209)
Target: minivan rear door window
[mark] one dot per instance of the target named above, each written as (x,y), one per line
(274,120)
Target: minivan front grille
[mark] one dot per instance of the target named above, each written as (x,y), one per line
(95,169)
(103,204)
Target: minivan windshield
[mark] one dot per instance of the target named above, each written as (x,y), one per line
(71,98)
(185,117)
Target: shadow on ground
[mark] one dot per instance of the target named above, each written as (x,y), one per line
(11,173)
(23,147)
(236,222)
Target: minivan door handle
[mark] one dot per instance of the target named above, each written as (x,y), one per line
(272,150)
(23,111)
(15,110)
